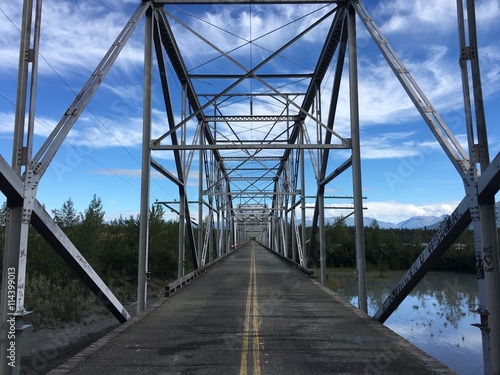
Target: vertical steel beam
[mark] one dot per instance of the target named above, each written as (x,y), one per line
(182,231)
(142,286)
(489,235)
(22,86)
(200,198)
(471,190)
(11,340)
(294,236)
(219,232)
(356,160)
(211,239)
(322,245)
(222,221)
(231,231)
(491,278)
(483,214)
(269,233)
(34,80)
(303,195)
(19,213)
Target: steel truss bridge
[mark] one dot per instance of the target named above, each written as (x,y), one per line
(251,164)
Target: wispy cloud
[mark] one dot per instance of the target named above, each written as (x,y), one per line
(406,16)
(232,27)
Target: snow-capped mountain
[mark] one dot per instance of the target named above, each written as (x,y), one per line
(414,222)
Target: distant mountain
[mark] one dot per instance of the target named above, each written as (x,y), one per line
(415,222)
(412,223)
(366,222)
(421,222)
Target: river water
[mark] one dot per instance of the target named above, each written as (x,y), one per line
(435,317)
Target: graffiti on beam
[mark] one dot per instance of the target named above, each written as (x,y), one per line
(479,266)
(488,258)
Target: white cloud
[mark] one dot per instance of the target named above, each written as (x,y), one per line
(75,36)
(395,212)
(390,211)
(231,27)
(406,16)
(6,123)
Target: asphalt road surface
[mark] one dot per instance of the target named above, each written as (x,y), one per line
(254,314)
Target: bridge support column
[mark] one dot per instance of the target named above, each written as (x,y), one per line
(19,213)
(182,232)
(142,286)
(322,244)
(303,197)
(356,160)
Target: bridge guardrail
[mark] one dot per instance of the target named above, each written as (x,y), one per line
(186,279)
(307,271)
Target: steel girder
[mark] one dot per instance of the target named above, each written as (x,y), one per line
(21,188)
(12,187)
(449,230)
(160,38)
(478,206)
(438,127)
(328,136)
(277,184)
(286,142)
(200,2)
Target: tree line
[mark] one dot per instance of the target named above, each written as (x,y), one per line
(57,295)
(394,249)
(111,248)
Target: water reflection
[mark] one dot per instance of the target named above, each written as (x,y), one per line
(436,316)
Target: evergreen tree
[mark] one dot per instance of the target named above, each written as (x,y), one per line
(94,214)
(67,215)
(91,230)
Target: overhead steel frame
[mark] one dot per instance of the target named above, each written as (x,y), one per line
(478,206)
(19,183)
(259,170)
(278,190)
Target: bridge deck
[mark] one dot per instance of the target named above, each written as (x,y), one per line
(253,314)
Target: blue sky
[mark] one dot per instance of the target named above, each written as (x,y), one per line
(405,172)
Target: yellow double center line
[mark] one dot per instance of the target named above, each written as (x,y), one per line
(251,329)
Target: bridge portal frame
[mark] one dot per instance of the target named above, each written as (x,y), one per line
(19,181)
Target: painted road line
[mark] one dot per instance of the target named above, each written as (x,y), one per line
(251,326)
(256,344)
(246,330)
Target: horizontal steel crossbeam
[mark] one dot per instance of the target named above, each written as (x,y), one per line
(259,178)
(251,158)
(262,118)
(155,146)
(197,2)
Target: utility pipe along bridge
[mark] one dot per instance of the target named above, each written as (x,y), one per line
(255,133)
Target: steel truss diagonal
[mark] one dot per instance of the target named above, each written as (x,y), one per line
(12,187)
(244,136)
(20,181)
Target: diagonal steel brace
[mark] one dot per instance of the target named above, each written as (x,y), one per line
(12,187)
